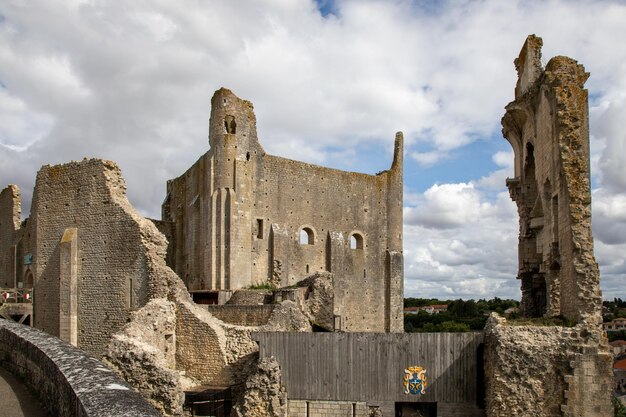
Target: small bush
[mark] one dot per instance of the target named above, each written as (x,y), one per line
(265,286)
(620,410)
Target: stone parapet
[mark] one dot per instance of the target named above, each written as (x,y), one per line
(67,380)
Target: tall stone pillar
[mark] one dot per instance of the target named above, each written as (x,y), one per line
(68,286)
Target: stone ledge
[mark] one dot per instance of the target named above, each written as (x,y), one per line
(67,380)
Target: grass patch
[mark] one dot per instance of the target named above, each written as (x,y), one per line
(265,286)
(620,410)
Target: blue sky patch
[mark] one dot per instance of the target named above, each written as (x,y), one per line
(326,7)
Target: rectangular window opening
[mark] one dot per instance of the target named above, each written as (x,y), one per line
(259,228)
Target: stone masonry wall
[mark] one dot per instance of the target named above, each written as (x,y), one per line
(239,214)
(116,275)
(546,371)
(263,395)
(547,125)
(144,355)
(10,212)
(551,371)
(241,315)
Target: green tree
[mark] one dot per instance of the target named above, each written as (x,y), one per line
(452,326)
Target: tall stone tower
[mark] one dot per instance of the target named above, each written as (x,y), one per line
(240,217)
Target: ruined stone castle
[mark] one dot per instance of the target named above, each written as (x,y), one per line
(240,217)
(170,304)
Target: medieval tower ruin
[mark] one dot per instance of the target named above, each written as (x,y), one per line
(240,217)
(534,369)
(548,128)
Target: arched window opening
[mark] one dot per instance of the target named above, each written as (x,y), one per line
(306,236)
(230,125)
(28,279)
(356,241)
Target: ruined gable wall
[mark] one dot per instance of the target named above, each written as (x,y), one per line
(551,370)
(115,271)
(547,126)
(10,212)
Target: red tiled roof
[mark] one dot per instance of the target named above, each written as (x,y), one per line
(620,364)
(616,343)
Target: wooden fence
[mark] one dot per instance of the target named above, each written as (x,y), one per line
(371,366)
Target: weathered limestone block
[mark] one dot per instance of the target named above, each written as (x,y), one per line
(68,286)
(287,317)
(250,297)
(319,300)
(143,354)
(546,371)
(263,396)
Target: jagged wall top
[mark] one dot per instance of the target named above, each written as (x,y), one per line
(528,65)
(547,126)
(231,115)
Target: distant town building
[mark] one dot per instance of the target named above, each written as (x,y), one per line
(615,325)
(618,347)
(433,309)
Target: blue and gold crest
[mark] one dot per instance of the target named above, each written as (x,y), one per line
(415,380)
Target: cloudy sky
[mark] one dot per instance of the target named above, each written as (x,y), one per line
(331,81)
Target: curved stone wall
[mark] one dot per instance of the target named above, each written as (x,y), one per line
(67,380)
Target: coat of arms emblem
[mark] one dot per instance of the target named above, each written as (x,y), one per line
(415,380)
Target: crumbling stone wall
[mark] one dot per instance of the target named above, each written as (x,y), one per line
(172,346)
(117,256)
(547,126)
(319,301)
(264,395)
(10,212)
(143,354)
(238,215)
(242,315)
(543,371)
(83,228)
(551,370)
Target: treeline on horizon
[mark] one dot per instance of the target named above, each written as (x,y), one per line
(468,315)
(461,315)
